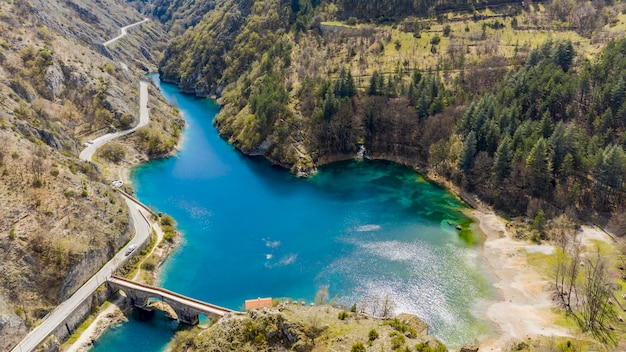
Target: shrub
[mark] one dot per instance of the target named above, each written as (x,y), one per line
(343,315)
(358,347)
(426,347)
(149,264)
(397,341)
(435,40)
(113,152)
(167,220)
(54,172)
(373,335)
(168,236)
(447,30)
(401,327)
(353,308)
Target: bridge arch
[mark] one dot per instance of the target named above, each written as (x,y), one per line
(187,309)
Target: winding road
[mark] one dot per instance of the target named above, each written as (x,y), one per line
(138,217)
(124,31)
(144,118)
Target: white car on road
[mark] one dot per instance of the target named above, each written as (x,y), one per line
(130,249)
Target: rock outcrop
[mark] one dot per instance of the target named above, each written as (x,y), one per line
(291,327)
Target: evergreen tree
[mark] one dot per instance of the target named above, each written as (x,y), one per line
(502,160)
(390,88)
(416,77)
(411,95)
(564,55)
(567,166)
(540,167)
(612,167)
(466,159)
(350,85)
(344,86)
(373,86)
(330,105)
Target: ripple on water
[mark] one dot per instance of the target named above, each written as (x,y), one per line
(367,228)
(417,275)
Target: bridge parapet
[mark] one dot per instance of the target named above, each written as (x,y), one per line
(187,309)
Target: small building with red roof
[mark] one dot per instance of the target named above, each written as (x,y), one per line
(258,303)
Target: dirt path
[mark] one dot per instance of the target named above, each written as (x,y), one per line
(524,307)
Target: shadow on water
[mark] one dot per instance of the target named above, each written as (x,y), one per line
(144,331)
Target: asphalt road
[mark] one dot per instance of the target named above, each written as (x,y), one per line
(138,219)
(57,316)
(144,118)
(124,31)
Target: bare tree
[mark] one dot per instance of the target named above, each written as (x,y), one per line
(388,307)
(568,256)
(322,295)
(596,313)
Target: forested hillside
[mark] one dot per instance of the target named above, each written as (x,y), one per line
(485,99)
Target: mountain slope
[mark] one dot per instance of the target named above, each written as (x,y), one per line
(320,91)
(59,87)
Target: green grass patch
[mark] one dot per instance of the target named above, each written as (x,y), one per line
(338,24)
(90,319)
(543,263)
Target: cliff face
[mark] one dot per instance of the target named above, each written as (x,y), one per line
(60,87)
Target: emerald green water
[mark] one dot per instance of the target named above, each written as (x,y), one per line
(364,229)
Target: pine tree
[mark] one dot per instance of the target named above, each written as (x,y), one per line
(564,55)
(502,160)
(612,167)
(538,162)
(350,85)
(373,87)
(390,88)
(466,159)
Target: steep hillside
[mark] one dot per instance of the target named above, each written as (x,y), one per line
(303,89)
(60,87)
(176,15)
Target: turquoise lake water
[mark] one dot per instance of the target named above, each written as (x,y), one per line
(364,229)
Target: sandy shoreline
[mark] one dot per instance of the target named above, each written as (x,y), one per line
(524,307)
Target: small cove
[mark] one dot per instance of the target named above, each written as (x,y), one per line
(363,229)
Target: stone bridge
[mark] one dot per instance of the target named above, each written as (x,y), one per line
(187,309)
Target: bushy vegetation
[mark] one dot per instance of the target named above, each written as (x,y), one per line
(545,138)
(401,327)
(358,347)
(168,225)
(114,152)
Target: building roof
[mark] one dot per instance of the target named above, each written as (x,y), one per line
(259,303)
